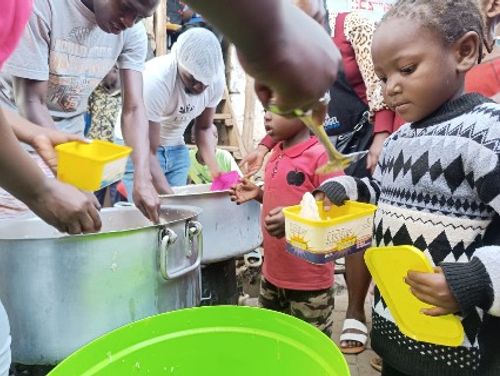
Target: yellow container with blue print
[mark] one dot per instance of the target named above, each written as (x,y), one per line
(341,231)
(91,166)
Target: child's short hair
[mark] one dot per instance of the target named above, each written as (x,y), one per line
(449,18)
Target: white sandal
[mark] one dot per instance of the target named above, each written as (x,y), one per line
(253,258)
(361,337)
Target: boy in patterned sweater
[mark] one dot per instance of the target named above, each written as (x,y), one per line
(437,185)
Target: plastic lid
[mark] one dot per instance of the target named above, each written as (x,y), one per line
(388,267)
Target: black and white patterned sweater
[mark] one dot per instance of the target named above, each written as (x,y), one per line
(437,187)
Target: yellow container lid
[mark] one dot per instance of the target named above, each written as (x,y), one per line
(388,267)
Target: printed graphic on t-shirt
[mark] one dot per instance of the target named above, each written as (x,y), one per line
(186,109)
(76,68)
(295,178)
(184,114)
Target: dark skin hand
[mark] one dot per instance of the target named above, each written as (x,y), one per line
(432,288)
(60,205)
(375,150)
(274,223)
(291,57)
(253,161)
(245,191)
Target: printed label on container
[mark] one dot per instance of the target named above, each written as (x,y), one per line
(113,171)
(323,244)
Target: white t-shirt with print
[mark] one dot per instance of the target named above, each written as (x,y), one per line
(63,44)
(167,102)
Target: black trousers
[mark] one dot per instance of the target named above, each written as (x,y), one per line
(387,370)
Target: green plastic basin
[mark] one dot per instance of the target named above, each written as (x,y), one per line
(213,340)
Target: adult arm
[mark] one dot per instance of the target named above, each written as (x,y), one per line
(205,140)
(30,96)
(288,53)
(41,139)
(135,131)
(60,205)
(29,67)
(159,180)
(254,160)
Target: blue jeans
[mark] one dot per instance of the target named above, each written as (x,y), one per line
(174,162)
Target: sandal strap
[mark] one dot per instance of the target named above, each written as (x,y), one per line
(361,338)
(354,324)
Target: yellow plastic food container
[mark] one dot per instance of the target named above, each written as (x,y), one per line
(342,230)
(388,267)
(91,166)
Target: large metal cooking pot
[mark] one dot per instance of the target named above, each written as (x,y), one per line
(62,291)
(229,230)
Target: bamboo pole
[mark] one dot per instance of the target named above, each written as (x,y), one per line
(160,28)
(249,114)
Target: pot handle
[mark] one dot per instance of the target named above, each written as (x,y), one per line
(193,230)
(168,238)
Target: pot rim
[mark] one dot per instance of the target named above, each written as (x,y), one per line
(191,212)
(198,186)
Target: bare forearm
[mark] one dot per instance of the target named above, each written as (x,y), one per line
(24,129)
(20,175)
(135,133)
(37,112)
(206,147)
(159,180)
(260,196)
(30,99)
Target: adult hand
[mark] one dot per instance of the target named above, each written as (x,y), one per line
(253,161)
(290,55)
(299,69)
(146,199)
(433,289)
(244,191)
(375,150)
(45,142)
(66,208)
(274,223)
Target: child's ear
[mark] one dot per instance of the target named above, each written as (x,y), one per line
(467,51)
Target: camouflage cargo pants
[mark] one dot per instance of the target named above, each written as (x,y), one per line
(314,307)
